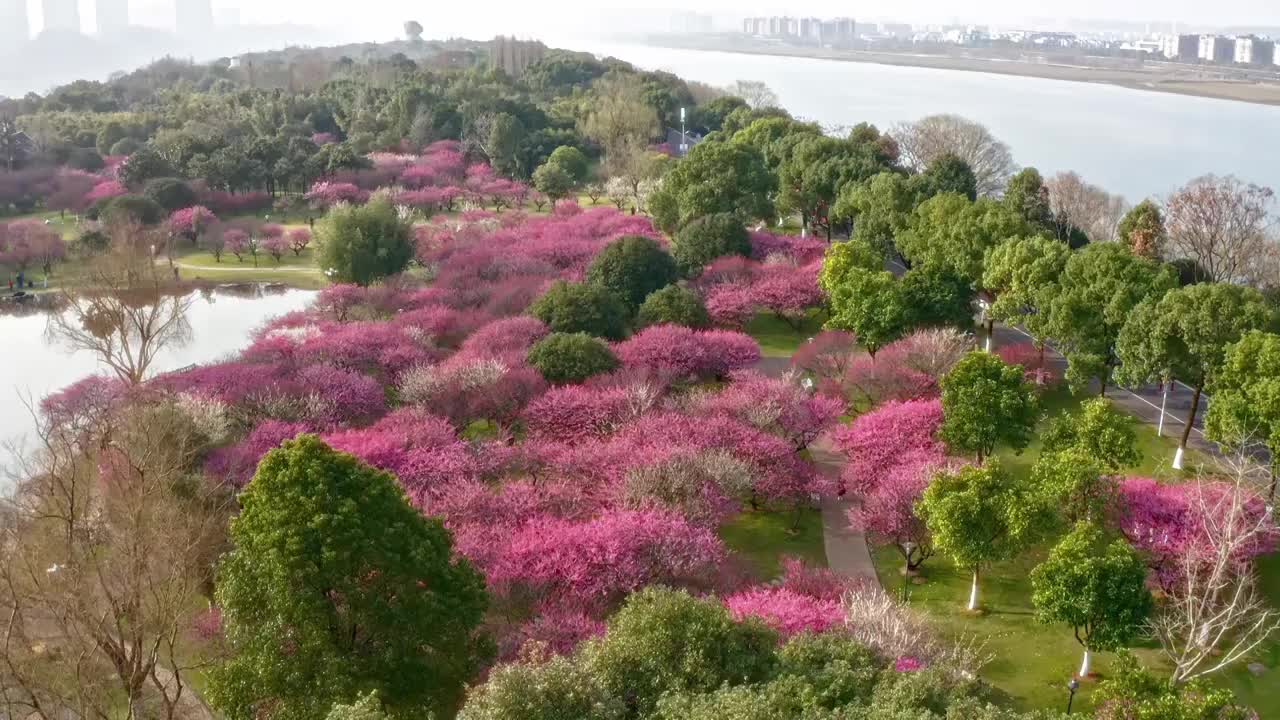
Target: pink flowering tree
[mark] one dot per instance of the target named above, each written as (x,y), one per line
(299,239)
(326,194)
(1177,526)
(236,242)
(275,246)
(105,190)
(191,222)
(681,353)
(28,243)
(778,405)
(786,611)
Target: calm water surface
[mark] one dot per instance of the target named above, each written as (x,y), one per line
(1131,142)
(30,366)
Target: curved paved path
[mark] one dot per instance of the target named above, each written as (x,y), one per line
(846,548)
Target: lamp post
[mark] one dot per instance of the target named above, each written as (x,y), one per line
(1072,686)
(906,568)
(985,307)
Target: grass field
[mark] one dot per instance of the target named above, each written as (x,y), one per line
(763,538)
(779,339)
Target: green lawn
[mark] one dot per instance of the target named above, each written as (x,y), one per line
(763,538)
(1032,662)
(777,338)
(298,271)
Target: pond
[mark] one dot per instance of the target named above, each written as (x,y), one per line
(31,365)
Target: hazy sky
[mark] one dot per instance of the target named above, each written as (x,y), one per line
(379,19)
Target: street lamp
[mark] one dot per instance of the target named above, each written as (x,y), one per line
(1072,686)
(906,569)
(985,307)
(807,384)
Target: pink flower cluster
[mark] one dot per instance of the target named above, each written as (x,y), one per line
(736,288)
(327,193)
(680,353)
(806,600)
(1032,360)
(1180,525)
(778,405)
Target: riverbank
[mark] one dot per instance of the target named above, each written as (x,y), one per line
(1178,79)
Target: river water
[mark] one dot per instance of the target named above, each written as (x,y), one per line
(221,320)
(1132,142)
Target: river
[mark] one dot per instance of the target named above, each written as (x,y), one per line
(1132,142)
(221,320)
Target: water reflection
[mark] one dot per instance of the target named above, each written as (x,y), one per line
(220,320)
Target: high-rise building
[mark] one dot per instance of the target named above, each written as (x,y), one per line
(193,16)
(1181,47)
(61,15)
(1254,51)
(113,16)
(1216,48)
(17,32)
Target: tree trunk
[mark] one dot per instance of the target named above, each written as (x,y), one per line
(1186,431)
(973,592)
(1084,664)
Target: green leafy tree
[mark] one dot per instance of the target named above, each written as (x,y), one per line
(502,144)
(581,308)
(673,304)
(1246,397)
(844,258)
(131,208)
(870,304)
(553,181)
(982,514)
(1022,274)
(366,707)
(985,403)
(557,689)
(1097,292)
(1100,430)
(766,135)
(364,243)
(170,193)
(1185,334)
(620,117)
(572,161)
(813,174)
(708,238)
(571,357)
(937,297)
(947,173)
(632,267)
(143,165)
(1028,197)
(1134,693)
(951,232)
(1075,482)
(666,641)
(715,177)
(1142,230)
(1096,587)
(333,569)
(879,209)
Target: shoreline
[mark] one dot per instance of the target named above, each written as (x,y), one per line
(1153,80)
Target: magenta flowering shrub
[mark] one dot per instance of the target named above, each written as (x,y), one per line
(1176,526)
(786,611)
(104,190)
(576,413)
(190,222)
(736,288)
(556,631)
(508,339)
(878,440)
(321,395)
(235,464)
(681,353)
(1032,360)
(909,663)
(801,251)
(775,404)
(597,562)
(419,448)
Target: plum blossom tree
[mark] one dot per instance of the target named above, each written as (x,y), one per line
(192,222)
(236,242)
(778,405)
(299,239)
(681,353)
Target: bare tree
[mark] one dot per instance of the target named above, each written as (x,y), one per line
(1221,223)
(924,140)
(1217,615)
(108,542)
(1083,205)
(755,92)
(123,307)
(619,118)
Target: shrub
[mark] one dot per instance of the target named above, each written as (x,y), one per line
(708,238)
(85,159)
(632,267)
(571,357)
(170,193)
(571,160)
(675,305)
(578,307)
(364,243)
(126,146)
